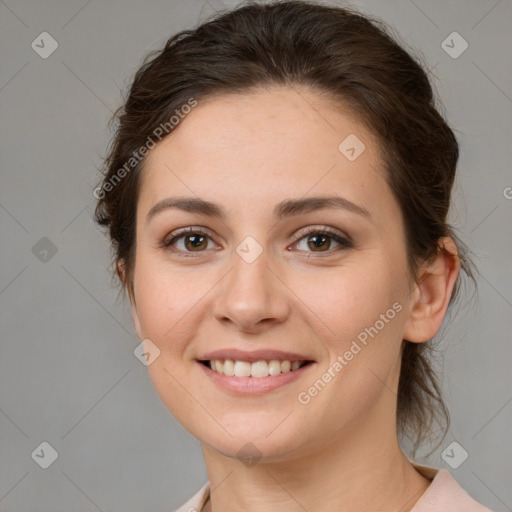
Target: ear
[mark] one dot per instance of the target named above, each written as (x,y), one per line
(432,293)
(121,272)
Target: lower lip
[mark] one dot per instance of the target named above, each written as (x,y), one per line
(254,385)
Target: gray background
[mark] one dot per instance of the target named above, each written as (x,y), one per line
(68,374)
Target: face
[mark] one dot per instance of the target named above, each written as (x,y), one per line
(262,273)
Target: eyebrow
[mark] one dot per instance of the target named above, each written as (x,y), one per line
(283,209)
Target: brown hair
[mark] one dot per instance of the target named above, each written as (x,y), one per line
(357,62)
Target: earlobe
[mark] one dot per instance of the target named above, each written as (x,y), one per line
(433,293)
(121,272)
(135,313)
(136,320)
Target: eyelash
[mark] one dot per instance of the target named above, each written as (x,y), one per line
(344,242)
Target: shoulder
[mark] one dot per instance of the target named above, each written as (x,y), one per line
(445,494)
(196,503)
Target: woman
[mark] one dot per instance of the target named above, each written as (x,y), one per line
(276,195)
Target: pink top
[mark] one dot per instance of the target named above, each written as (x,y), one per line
(444,494)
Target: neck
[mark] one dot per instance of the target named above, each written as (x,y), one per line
(349,475)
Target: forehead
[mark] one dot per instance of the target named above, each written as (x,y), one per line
(261,146)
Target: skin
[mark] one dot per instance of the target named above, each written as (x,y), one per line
(248,153)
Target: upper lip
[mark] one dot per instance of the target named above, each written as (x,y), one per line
(253,356)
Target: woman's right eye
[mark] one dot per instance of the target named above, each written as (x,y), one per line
(188,241)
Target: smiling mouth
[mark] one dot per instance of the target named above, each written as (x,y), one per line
(257,369)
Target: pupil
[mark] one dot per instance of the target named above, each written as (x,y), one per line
(317,237)
(198,240)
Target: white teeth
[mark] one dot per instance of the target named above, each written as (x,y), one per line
(257,369)
(229,367)
(242,369)
(274,367)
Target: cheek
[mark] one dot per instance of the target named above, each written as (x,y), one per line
(164,298)
(361,317)
(363,312)
(350,297)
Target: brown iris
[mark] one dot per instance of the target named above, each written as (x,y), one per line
(315,245)
(196,242)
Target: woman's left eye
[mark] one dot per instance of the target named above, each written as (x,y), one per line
(321,240)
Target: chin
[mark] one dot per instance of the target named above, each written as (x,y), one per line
(255,441)
(251,451)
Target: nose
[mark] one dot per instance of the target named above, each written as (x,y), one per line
(252,296)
